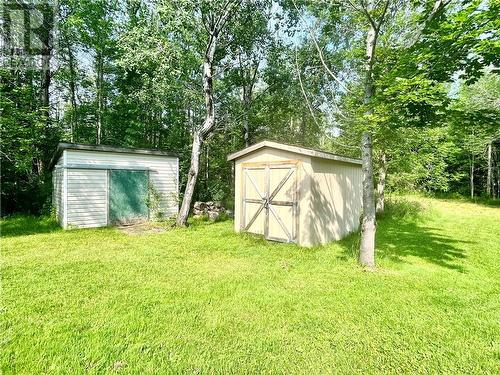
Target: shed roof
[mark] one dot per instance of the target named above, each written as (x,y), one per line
(105,148)
(296,149)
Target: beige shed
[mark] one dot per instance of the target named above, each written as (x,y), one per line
(294,194)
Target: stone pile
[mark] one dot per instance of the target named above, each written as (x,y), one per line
(213,210)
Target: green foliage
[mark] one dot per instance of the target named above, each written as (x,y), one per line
(133,69)
(419,160)
(473,124)
(402,208)
(413,96)
(465,40)
(25,140)
(153,201)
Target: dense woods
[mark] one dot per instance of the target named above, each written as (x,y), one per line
(417,81)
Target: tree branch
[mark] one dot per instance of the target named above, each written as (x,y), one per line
(382,16)
(224,17)
(439,5)
(302,87)
(310,106)
(320,52)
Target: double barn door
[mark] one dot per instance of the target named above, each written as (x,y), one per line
(269,205)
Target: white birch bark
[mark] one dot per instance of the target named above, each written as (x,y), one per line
(382,174)
(368,224)
(214,28)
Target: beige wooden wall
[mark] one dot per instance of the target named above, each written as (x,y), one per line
(335,201)
(274,155)
(329,195)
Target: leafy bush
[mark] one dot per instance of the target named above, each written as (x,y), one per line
(402,208)
(153,202)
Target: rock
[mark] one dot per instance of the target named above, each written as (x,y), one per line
(212,209)
(198,212)
(229,213)
(213,215)
(200,206)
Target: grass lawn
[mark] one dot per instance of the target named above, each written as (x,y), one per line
(207,300)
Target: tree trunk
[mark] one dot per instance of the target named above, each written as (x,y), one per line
(244,95)
(45,103)
(381,183)
(45,85)
(367,246)
(215,26)
(498,182)
(368,225)
(191,182)
(249,75)
(46,52)
(45,65)
(207,164)
(45,80)
(472,176)
(488,179)
(246,125)
(496,187)
(72,89)
(200,135)
(99,84)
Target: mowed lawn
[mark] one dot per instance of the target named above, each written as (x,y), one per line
(207,300)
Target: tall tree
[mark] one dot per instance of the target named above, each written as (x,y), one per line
(476,114)
(375,17)
(248,47)
(214,18)
(95,23)
(379,19)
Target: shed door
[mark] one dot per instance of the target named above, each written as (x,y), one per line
(270,201)
(128,193)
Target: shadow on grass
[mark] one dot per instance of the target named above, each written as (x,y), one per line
(401,234)
(27,225)
(398,240)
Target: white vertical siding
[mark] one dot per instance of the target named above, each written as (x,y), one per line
(163,171)
(60,197)
(57,191)
(80,194)
(87,196)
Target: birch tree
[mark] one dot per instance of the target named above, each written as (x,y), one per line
(213,18)
(373,18)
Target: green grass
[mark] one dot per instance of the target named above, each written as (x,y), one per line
(206,300)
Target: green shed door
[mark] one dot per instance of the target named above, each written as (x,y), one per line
(128,193)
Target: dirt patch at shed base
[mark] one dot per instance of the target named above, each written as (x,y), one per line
(144,228)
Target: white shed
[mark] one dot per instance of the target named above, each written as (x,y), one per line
(95,186)
(295,194)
